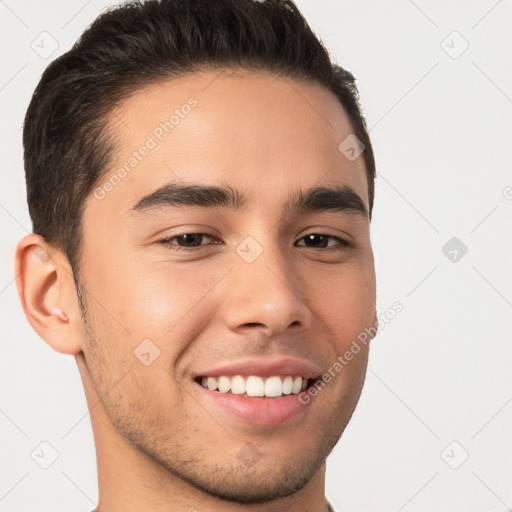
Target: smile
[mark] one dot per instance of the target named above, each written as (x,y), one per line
(256,386)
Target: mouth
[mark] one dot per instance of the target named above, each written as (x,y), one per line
(258,400)
(259,391)
(252,386)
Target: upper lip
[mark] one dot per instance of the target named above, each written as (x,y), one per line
(264,368)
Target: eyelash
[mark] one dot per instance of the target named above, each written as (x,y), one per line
(166,242)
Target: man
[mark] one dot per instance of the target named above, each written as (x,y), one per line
(200,182)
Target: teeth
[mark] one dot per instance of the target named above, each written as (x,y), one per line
(297,385)
(238,385)
(254,385)
(224,384)
(212,383)
(273,386)
(287,385)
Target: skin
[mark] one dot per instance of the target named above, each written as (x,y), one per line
(159,444)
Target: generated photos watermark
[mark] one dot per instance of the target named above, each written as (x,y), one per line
(362,340)
(152,140)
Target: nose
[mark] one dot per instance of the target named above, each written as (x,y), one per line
(266,295)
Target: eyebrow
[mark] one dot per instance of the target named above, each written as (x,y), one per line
(334,198)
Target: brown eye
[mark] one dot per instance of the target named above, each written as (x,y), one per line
(186,241)
(320,241)
(190,239)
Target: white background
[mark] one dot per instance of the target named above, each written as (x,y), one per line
(440,371)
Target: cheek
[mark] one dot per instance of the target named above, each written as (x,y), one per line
(347,304)
(166,296)
(165,303)
(145,297)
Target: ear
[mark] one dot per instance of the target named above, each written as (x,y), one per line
(46,288)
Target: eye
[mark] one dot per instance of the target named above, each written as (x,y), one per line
(186,241)
(320,241)
(191,241)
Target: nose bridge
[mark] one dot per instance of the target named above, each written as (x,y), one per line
(265,293)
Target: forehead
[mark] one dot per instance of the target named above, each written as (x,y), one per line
(260,133)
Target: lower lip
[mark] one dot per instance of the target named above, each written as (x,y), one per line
(258,410)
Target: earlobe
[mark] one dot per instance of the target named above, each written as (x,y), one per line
(45,286)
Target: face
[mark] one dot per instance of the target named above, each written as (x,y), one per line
(251,281)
